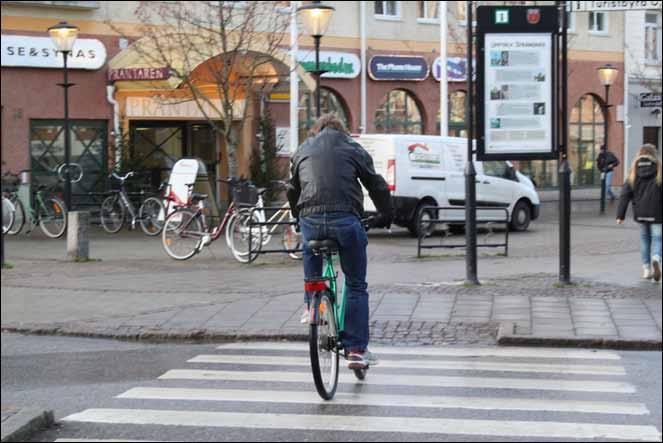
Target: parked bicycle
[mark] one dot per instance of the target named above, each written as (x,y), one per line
(117,206)
(327,319)
(259,231)
(187,230)
(41,208)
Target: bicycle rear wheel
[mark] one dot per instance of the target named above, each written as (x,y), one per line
(149,214)
(53,218)
(8,215)
(19,218)
(181,235)
(323,347)
(112,214)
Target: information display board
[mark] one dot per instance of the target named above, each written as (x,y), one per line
(516,81)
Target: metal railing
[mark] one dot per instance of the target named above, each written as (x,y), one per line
(426,230)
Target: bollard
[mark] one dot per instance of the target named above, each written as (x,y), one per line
(78,244)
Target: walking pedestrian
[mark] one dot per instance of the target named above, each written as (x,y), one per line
(643,188)
(607,162)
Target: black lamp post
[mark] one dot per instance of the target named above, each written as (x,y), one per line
(63,36)
(316,19)
(607,75)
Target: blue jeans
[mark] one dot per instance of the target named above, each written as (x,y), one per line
(608,185)
(650,242)
(348,231)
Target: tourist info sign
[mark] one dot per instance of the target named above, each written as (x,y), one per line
(612,6)
(516,84)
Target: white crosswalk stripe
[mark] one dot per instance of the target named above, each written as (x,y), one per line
(430,391)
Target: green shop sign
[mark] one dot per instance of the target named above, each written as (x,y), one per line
(337,64)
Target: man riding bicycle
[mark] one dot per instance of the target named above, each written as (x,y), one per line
(327,198)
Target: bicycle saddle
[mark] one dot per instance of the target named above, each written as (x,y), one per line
(197,197)
(327,246)
(261,191)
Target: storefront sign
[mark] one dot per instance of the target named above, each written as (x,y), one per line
(39,52)
(456,69)
(612,6)
(515,78)
(337,64)
(154,107)
(392,67)
(650,100)
(138,74)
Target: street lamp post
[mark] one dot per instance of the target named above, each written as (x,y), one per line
(607,76)
(316,19)
(63,36)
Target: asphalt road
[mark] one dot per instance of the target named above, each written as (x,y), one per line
(264,392)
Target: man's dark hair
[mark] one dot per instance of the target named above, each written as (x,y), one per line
(327,121)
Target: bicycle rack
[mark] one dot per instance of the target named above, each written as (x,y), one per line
(253,224)
(435,221)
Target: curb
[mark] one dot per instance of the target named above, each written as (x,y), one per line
(506,337)
(25,422)
(158,335)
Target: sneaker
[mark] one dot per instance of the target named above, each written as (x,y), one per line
(656,266)
(361,360)
(646,272)
(356,360)
(306,314)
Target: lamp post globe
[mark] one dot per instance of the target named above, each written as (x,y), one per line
(316,18)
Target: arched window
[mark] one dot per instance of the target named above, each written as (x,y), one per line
(330,101)
(586,129)
(399,114)
(457,114)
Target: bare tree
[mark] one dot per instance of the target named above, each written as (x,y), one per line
(220,55)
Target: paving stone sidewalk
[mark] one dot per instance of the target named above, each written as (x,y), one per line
(522,309)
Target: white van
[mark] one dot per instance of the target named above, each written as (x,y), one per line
(429,171)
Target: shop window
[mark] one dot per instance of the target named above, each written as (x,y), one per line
(330,102)
(427,11)
(88,149)
(388,9)
(399,113)
(598,22)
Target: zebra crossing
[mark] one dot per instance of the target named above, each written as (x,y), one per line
(265,392)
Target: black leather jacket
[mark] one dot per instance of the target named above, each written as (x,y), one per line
(326,170)
(645,193)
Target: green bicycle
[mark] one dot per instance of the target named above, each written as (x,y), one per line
(47,211)
(327,319)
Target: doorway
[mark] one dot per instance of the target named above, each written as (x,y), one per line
(155,146)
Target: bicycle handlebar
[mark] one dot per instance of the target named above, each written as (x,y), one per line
(120,178)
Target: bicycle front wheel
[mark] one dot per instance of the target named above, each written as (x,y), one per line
(323,347)
(19,218)
(8,215)
(53,218)
(241,233)
(149,214)
(182,234)
(292,240)
(112,214)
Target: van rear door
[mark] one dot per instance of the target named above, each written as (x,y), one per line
(381,150)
